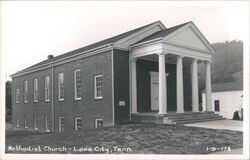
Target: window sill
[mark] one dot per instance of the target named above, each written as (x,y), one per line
(78,99)
(60,100)
(26,127)
(36,129)
(98,98)
(47,100)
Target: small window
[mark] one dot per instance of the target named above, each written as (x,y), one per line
(47,124)
(98,85)
(46,88)
(17,121)
(98,123)
(61,124)
(60,87)
(78,123)
(35,90)
(17,95)
(217,105)
(25,121)
(77,84)
(25,94)
(35,120)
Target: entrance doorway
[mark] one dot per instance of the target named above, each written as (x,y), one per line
(154,83)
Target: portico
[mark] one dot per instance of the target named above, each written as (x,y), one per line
(185,46)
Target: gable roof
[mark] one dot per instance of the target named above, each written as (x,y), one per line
(89,47)
(163,33)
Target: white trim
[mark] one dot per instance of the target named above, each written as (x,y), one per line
(76,127)
(17,95)
(159,24)
(80,55)
(25,121)
(35,90)
(46,124)
(98,119)
(95,89)
(46,87)
(75,85)
(188,47)
(59,87)
(25,92)
(149,42)
(60,124)
(196,31)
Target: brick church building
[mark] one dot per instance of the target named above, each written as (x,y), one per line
(145,75)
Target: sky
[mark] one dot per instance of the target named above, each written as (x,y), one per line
(29,31)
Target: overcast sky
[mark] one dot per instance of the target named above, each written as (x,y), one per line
(32,30)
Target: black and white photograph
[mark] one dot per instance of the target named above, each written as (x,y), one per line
(124,80)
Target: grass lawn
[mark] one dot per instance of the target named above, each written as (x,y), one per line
(132,138)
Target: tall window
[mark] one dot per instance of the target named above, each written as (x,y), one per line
(17,95)
(77,84)
(25,121)
(217,105)
(61,124)
(35,120)
(98,123)
(25,94)
(98,85)
(78,123)
(35,90)
(60,87)
(47,124)
(46,88)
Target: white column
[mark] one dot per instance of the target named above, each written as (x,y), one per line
(179,85)
(133,84)
(162,85)
(195,92)
(208,87)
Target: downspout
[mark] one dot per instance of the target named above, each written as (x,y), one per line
(130,81)
(52,100)
(113,97)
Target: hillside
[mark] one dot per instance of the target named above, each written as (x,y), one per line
(227,65)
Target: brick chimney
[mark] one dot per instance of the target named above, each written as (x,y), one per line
(50,56)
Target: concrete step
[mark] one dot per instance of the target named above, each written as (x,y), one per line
(199,120)
(187,114)
(186,117)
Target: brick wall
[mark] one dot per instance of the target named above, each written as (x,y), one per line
(87,108)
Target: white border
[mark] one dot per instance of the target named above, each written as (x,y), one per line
(136,156)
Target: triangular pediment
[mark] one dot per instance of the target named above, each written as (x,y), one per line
(189,36)
(141,34)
